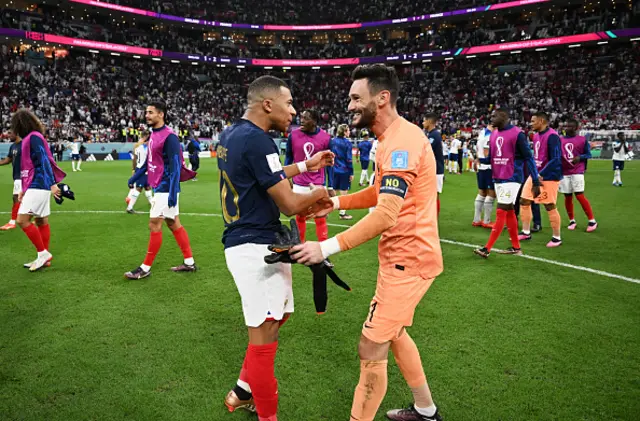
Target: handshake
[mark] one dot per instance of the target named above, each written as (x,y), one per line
(286,239)
(323,207)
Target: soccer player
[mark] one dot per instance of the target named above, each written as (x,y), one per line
(365,151)
(454,150)
(433,134)
(165,169)
(13,158)
(343,166)
(254,189)
(76,158)
(40,177)
(575,153)
(620,149)
(139,160)
(547,152)
(193,148)
(410,257)
(301,146)
(486,194)
(508,153)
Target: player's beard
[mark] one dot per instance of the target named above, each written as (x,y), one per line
(367,116)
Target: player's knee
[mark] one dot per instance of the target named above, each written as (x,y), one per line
(525,202)
(23,220)
(482,192)
(155,224)
(372,351)
(550,207)
(41,221)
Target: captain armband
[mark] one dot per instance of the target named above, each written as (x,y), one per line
(392,184)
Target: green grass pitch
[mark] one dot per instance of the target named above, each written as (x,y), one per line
(504,339)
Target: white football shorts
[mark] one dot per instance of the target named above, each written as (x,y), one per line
(266,290)
(17,186)
(160,207)
(36,202)
(507,193)
(572,184)
(440,182)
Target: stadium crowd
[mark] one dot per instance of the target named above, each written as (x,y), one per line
(501,27)
(97,96)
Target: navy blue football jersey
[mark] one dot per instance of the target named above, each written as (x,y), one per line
(249,165)
(15,152)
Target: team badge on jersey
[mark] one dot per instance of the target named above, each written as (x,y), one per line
(399,160)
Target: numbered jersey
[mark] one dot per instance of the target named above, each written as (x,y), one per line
(141,155)
(249,165)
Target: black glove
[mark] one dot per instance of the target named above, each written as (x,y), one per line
(285,240)
(65,192)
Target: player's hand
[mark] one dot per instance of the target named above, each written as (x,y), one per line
(308,254)
(476,164)
(350,179)
(536,191)
(55,190)
(20,196)
(575,160)
(320,160)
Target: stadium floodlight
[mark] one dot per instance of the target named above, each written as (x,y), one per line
(195,63)
(336,67)
(94,51)
(603,42)
(472,56)
(406,62)
(634,39)
(315,68)
(240,67)
(175,61)
(155,59)
(427,60)
(115,54)
(287,68)
(516,52)
(268,67)
(448,58)
(136,56)
(575,45)
(495,54)
(541,49)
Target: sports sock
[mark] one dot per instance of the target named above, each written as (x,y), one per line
(261,375)
(155,242)
(501,219)
(182,238)
(132,199)
(407,357)
(73,165)
(586,206)
(149,195)
(364,176)
(45,234)
(526,215)
(14,212)
(512,226)
(555,221)
(429,411)
(488,208)
(34,235)
(479,204)
(568,204)
(79,163)
(322,230)
(437,205)
(302,227)
(370,390)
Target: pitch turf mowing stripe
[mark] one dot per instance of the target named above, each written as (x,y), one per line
(443,240)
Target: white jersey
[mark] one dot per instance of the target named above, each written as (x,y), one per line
(622,155)
(372,153)
(141,155)
(482,148)
(445,149)
(75,148)
(455,146)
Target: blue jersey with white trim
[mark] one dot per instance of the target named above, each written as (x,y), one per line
(249,165)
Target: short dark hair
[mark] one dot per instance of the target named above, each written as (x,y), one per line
(503,110)
(315,115)
(574,121)
(380,77)
(24,122)
(620,134)
(160,106)
(542,115)
(261,85)
(432,116)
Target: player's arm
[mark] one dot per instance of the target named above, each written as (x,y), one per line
(320,160)
(288,154)
(173,152)
(135,160)
(522,145)
(554,148)
(6,160)
(587,152)
(350,159)
(263,162)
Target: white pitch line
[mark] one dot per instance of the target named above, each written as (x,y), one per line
(442,240)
